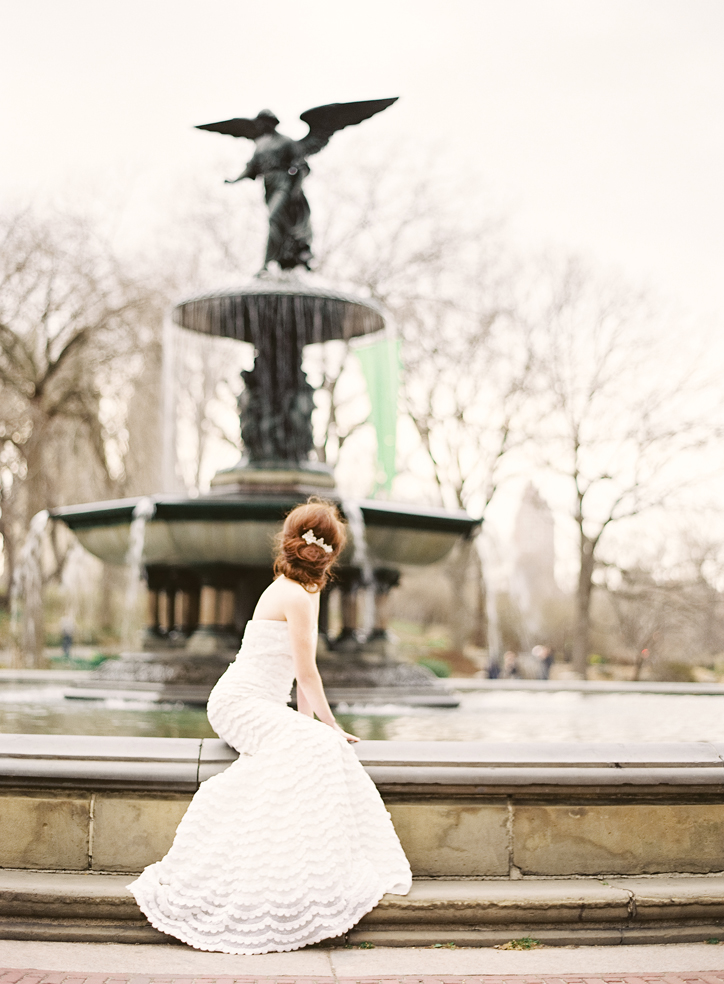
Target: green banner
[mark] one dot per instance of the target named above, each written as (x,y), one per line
(381,367)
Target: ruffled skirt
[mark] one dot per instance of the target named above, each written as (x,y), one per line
(291,845)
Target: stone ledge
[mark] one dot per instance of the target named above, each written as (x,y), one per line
(99,762)
(536,755)
(411,775)
(180,764)
(87,907)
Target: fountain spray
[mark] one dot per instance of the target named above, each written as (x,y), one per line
(26,593)
(361,559)
(142,512)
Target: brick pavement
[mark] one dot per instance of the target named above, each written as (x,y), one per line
(56,977)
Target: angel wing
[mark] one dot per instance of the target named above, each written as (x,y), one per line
(238,127)
(323,121)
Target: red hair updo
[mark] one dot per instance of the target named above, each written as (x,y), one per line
(304,560)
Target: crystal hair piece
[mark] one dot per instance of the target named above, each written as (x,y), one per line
(311,538)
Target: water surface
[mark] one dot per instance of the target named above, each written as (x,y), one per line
(509,716)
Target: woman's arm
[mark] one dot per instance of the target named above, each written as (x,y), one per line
(300,609)
(303,705)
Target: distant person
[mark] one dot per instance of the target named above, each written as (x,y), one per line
(67,630)
(493,667)
(548,661)
(510,665)
(545,657)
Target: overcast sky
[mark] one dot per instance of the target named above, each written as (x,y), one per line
(596,124)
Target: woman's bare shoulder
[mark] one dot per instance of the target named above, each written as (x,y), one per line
(282,596)
(296,594)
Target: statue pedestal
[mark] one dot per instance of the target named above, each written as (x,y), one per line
(304,477)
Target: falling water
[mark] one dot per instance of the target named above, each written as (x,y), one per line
(491,610)
(72,581)
(488,551)
(26,591)
(168,407)
(201,382)
(361,559)
(142,512)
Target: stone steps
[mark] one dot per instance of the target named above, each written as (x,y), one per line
(75,907)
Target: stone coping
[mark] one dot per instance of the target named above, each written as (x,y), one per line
(270,508)
(180,764)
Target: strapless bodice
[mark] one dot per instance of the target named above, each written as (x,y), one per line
(263,666)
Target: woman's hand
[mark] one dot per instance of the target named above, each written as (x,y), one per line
(345,735)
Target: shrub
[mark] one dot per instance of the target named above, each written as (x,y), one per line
(438,666)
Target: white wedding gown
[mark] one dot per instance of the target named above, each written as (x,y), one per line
(292,844)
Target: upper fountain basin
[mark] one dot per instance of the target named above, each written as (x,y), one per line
(241,530)
(310,313)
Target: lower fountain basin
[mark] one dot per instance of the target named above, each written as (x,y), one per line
(241,530)
(208,560)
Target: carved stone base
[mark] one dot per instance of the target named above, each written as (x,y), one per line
(355,673)
(206,642)
(167,669)
(347,678)
(303,477)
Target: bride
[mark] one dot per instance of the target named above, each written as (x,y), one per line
(292,844)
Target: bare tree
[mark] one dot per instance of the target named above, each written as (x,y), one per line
(467,389)
(72,329)
(622,420)
(668,605)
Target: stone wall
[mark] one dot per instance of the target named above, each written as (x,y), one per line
(461,809)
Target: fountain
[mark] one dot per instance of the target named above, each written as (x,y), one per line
(208,559)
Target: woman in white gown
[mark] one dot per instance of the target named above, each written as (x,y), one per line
(292,844)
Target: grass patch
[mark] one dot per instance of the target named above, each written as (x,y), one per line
(524,943)
(80,662)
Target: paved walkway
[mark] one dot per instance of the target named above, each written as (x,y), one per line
(41,977)
(110,963)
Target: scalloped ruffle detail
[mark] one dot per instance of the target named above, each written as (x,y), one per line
(289,846)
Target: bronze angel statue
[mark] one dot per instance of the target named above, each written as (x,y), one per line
(283,164)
